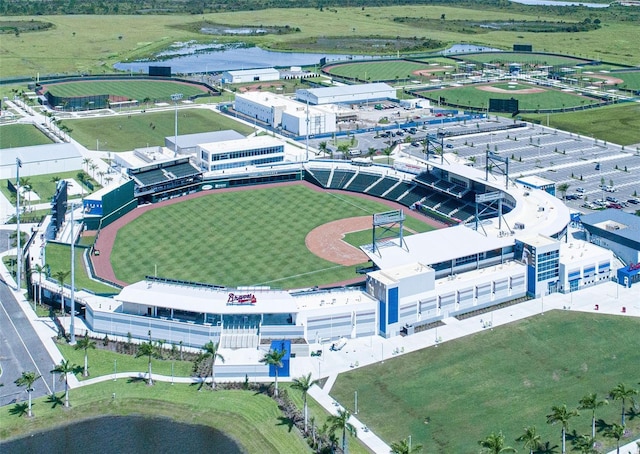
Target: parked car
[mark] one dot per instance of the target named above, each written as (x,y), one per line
(633,201)
(617,206)
(571,197)
(580,190)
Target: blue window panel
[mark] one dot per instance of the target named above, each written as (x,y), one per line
(393,305)
(383,317)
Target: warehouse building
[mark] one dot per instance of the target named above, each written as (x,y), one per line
(346,94)
(250,75)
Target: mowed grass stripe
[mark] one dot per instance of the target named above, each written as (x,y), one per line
(498,380)
(239,238)
(131,89)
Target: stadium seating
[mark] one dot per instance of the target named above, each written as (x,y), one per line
(362,181)
(382,186)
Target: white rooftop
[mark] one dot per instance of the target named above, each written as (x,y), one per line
(247,143)
(205,299)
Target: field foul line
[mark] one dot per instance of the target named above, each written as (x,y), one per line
(302,274)
(350,203)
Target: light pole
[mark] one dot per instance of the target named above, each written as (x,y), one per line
(18,254)
(72,330)
(355,412)
(175,98)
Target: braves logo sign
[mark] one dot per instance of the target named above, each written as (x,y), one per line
(248,298)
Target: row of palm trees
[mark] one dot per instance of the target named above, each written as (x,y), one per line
(495,443)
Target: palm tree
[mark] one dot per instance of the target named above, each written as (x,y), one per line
(615,431)
(87,162)
(322,146)
(40,270)
(211,351)
(591,402)
(341,422)
(274,358)
(530,439)
(371,152)
(64,369)
(562,415)
(403,447)
(61,276)
(93,168)
(494,444)
(85,344)
(304,384)
(150,350)
(55,179)
(388,151)
(585,444)
(621,392)
(563,187)
(28,379)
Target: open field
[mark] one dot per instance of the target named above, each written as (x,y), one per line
(140,90)
(137,130)
(522,58)
(253,420)
(506,379)
(20,135)
(478,96)
(617,124)
(215,238)
(84,44)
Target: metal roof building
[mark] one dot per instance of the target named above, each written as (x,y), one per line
(188,143)
(40,160)
(347,94)
(250,75)
(615,230)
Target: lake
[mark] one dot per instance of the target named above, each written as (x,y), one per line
(124,434)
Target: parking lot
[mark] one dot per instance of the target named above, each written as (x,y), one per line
(592,169)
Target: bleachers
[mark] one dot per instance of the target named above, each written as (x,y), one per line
(382,186)
(183,170)
(340,178)
(321,175)
(416,194)
(448,206)
(435,198)
(362,181)
(150,177)
(466,212)
(398,191)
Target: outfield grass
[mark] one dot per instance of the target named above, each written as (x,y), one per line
(252,237)
(523,58)
(126,132)
(20,135)
(617,124)
(140,90)
(380,70)
(473,97)
(447,398)
(253,420)
(631,79)
(58,257)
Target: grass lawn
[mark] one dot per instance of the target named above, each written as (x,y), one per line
(141,90)
(451,396)
(126,132)
(617,124)
(101,362)
(45,186)
(631,79)
(474,97)
(20,135)
(58,257)
(252,237)
(522,58)
(252,420)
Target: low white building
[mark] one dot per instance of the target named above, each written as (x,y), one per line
(250,75)
(289,115)
(250,151)
(40,160)
(346,94)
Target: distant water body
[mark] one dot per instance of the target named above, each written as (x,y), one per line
(124,434)
(554,3)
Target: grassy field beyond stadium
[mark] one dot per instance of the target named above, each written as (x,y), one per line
(448,398)
(254,237)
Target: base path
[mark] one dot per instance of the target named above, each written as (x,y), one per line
(326,241)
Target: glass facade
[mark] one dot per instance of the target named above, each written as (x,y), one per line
(548,265)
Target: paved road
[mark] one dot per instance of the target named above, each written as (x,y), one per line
(20,350)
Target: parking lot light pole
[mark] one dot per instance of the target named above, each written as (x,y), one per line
(19,247)
(175,98)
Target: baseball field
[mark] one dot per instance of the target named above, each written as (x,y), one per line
(260,236)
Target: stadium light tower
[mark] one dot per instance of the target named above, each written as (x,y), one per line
(175,98)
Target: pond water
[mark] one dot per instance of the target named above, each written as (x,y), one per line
(560,3)
(124,434)
(188,58)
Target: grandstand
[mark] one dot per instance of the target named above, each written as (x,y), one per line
(162,176)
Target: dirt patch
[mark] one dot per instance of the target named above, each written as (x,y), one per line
(427,72)
(522,91)
(258,87)
(608,80)
(326,241)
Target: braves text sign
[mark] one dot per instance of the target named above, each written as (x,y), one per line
(248,298)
